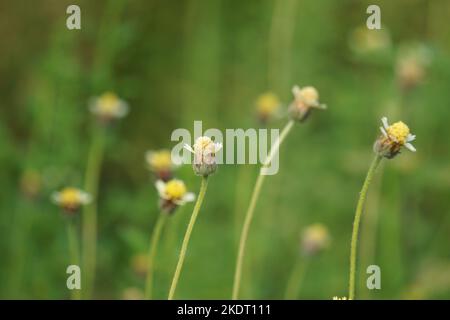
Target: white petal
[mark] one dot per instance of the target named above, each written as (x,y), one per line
(85,197)
(410,147)
(188,148)
(384,120)
(321,106)
(383,132)
(410,137)
(161,187)
(189,197)
(56,197)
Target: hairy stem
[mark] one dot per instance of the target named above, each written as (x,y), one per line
(152,253)
(251,209)
(187,236)
(358,213)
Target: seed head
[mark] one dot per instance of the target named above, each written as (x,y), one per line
(393,138)
(304,100)
(173,194)
(204,151)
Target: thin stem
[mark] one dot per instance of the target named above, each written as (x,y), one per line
(359,209)
(251,209)
(295,280)
(152,252)
(74,253)
(90,211)
(187,236)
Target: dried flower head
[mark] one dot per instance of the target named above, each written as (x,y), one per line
(173,194)
(393,138)
(108,107)
(304,100)
(315,238)
(204,151)
(71,199)
(339,298)
(267,106)
(160,162)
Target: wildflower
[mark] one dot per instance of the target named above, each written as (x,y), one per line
(173,194)
(108,107)
(339,298)
(411,66)
(267,106)
(363,40)
(31,183)
(315,238)
(393,138)
(139,264)
(204,151)
(71,199)
(304,100)
(160,162)
(132,293)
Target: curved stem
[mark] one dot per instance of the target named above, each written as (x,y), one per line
(90,211)
(295,280)
(152,252)
(251,209)
(187,236)
(74,253)
(358,213)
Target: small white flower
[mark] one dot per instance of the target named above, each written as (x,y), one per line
(173,193)
(305,99)
(71,199)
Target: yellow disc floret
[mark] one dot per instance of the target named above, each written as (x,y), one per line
(70,197)
(399,131)
(175,189)
(108,103)
(267,104)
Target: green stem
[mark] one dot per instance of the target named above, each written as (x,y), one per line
(152,252)
(187,236)
(358,213)
(295,280)
(251,209)
(90,211)
(73,252)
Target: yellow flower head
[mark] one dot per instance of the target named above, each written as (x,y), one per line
(70,199)
(315,239)
(173,193)
(204,150)
(304,100)
(109,106)
(393,138)
(267,106)
(160,162)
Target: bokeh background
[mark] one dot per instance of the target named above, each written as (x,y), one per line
(179,61)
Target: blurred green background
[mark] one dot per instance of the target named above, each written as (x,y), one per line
(179,61)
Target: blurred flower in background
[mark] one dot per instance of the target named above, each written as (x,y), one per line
(31,183)
(139,264)
(71,199)
(365,41)
(160,163)
(267,107)
(411,65)
(315,238)
(108,107)
(305,99)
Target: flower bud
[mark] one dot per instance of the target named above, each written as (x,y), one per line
(204,151)
(304,100)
